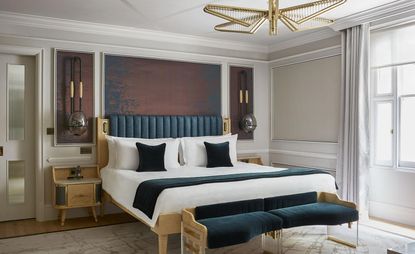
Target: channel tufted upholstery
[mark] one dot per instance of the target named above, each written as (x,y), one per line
(141,126)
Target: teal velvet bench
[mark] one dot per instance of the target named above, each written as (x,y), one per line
(310,209)
(220,225)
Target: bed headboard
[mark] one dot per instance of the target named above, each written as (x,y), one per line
(141,126)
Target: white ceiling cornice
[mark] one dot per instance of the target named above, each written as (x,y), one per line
(304,38)
(401,8)
(122,31)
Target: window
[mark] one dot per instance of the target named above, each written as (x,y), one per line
(393,97)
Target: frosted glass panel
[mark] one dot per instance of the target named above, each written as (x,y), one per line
(384,81)
(406,80)
(16,182)
(16,86)
(407,149)
(383,130)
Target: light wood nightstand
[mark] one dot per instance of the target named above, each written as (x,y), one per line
(255,159)
(76,193)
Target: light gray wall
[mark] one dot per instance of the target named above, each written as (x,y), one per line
(305,103)
(50,39)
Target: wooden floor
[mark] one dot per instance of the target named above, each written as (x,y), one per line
(32,227)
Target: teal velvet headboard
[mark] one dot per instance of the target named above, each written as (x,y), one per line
(141,126)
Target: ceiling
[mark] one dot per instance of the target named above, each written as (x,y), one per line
(183,16)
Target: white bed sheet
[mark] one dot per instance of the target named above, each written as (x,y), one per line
(122,184)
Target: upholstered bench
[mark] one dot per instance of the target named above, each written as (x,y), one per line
(220,225)
(314,209)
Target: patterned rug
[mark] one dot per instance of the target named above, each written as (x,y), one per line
(137,238)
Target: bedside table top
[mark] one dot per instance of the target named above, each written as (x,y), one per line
(78,181)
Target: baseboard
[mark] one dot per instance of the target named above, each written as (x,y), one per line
(393,213)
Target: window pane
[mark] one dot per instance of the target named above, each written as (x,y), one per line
(15,185)
(407,134)
(381,49)
(405,44)
(406,79)
(384,81)
(16,85)
(383,133)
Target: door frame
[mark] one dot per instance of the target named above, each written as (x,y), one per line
(38,53)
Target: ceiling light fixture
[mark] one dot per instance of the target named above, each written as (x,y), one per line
(296,18)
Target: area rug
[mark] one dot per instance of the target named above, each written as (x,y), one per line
(137,238)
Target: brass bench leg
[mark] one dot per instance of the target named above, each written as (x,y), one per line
(348,236)
(272,242)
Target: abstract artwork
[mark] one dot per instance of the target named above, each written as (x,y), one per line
(161,87)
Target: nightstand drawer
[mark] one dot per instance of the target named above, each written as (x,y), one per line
(80,194)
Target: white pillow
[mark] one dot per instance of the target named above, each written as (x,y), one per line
(194,150)
(111,151)
(127,153)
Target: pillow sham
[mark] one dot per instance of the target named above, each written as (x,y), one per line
(181,149)
(111,151)
(218,155)
(194,150)
(127,156)
(151,157)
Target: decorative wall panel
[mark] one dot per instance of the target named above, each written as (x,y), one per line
(241,98)
(63,95)
(140,86)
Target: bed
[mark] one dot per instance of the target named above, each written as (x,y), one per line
(120,185)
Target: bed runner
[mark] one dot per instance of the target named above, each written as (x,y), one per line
(148,191)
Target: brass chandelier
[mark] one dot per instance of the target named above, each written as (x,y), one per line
(247,20)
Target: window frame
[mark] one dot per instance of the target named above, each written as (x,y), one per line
(394,98)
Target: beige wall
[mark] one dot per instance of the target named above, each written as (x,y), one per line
(306,102)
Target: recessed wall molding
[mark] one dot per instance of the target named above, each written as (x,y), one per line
(72,160)
(305,154)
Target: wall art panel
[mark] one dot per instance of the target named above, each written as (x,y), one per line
(161,87)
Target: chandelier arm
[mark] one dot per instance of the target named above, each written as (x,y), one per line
(288,23)
(256,26)
(318,13)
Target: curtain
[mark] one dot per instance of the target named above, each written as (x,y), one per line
(352,174)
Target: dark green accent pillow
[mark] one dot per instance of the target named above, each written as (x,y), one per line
(218,155)
(151,158)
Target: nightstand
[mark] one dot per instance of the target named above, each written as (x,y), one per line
(76,193)
(255,159)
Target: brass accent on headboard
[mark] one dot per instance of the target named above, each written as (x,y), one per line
(102,146)
(226,125)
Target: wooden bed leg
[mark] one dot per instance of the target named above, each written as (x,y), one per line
(163,240)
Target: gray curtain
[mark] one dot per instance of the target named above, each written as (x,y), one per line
(352,173)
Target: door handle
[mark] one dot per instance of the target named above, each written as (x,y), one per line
(1,151)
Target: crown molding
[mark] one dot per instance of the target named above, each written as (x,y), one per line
(42,22)
(304,38)
(398,9)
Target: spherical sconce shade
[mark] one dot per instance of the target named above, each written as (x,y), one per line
(248,123)
(77,123)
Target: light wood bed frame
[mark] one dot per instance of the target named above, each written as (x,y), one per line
(166,224)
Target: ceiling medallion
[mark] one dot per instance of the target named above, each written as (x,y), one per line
(296,18)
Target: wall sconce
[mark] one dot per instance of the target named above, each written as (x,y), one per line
(248,121)
(77,122)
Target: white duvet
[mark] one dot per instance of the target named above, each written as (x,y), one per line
(122,184)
